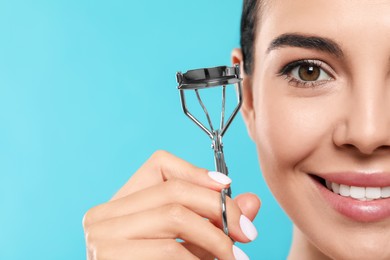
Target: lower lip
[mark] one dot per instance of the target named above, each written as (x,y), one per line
(361,211)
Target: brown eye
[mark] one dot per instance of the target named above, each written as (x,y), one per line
(309,72)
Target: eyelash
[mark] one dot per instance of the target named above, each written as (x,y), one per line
(286,72)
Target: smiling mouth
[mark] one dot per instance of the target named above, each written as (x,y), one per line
(357,196)
(356,192)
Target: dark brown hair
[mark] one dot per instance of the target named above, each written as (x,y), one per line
(249,19)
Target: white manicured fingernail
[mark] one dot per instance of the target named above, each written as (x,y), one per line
(239,254)
(220,178)
(248,228)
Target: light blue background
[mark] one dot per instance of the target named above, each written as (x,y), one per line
(87,93)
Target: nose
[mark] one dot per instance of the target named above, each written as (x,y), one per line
(366,124)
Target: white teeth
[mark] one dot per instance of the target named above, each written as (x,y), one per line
(360,193)
(385,192)
(336,187)
(345,190)
(373,193)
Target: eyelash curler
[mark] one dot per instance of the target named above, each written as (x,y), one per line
(207,78)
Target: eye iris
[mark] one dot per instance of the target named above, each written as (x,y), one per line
(309,72)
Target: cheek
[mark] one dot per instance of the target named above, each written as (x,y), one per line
(289,129)
(293,127)
(290,132)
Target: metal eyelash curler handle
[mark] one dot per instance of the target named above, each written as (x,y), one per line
(206,78)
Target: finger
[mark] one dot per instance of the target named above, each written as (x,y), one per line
(203,201)
(249,204)
(168,222)
(163,166)
(139,249)
(198,252)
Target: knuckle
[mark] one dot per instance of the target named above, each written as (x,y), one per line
(160,159)
(89,217)
(91,235)
(177,188)
(172,249)
(160,155)
(176,214)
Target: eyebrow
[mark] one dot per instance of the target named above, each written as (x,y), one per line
(307,42)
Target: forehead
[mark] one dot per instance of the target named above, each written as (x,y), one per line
(332,17)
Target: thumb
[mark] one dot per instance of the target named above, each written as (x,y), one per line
(249,204)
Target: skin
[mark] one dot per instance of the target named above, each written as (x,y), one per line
(339,123)
(342,124)
(157,205)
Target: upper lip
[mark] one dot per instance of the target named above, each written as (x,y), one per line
(359,179)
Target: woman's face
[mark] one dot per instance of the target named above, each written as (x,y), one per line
(319,112)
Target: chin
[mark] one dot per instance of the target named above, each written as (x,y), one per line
(336,230)
(366,247)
